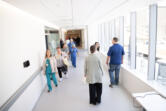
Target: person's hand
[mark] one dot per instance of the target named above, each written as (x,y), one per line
(107,62)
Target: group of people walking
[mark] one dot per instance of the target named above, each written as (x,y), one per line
(59,63)
(93,69)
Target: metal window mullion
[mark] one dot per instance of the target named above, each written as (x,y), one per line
(133,40)
(152,41)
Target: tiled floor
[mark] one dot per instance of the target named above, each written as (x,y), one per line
(73,95)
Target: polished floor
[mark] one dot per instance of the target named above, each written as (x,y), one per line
(72,94)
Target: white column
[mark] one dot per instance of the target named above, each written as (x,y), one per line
(152,40)
(133,40)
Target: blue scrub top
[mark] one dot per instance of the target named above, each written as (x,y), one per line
(116,52)
(74,52)
(48,66)
(70,45)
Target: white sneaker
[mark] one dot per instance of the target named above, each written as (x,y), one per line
(66,76)
(60,80)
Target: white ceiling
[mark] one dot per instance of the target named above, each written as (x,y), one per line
(65,13)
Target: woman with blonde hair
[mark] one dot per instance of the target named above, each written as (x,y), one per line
(50,68)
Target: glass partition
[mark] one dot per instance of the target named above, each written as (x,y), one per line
(161,46)
(127,40)
(142,41)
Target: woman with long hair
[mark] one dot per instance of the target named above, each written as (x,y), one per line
(50,69)
(60,63)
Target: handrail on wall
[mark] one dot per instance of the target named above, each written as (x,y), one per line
(19,92)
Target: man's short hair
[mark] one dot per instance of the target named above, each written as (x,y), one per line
(115,39)
(92,48)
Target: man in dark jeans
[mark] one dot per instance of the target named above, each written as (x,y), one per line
(115,56)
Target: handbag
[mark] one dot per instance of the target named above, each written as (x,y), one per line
(66,62)
(64,68)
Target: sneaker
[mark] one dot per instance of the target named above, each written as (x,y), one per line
(49,91)
(94,103)
(66,76)
(111,86)
(60,80)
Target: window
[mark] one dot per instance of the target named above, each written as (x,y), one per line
(161,46)
(53,40)
(142,41)
(127,40)
(107,35)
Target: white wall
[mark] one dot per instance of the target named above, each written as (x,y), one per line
(92,34)
(84,38)
(21,38)
(132,83)
(28,100)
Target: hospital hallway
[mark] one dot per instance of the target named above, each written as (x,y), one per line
(72,94)
(37,37)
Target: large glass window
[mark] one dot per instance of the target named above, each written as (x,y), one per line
(127,39)
(161,46)
(142,41)
(52,40)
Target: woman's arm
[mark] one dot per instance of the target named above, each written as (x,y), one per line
(101,66)
(55,64)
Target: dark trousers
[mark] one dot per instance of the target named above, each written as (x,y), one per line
(95,91)
(62,69)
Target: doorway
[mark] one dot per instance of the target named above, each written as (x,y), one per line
(52,39)
(76,35)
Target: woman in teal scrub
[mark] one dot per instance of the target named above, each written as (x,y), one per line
(50,69)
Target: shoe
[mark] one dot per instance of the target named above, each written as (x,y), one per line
(94,103)
(97,101)
(66,76)
(56,85)
(111,86)
(48,91)
(60,80)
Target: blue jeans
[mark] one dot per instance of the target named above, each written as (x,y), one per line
(114,79)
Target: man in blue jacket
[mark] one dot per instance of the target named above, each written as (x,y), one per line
(115,59)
